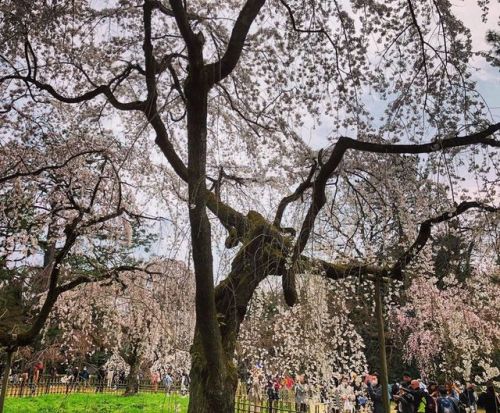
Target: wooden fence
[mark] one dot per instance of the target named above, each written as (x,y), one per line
(58,385)
(243,405)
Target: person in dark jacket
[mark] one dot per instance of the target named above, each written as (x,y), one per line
(432,395)
(406,380)
(375,393)
(404,399)
(76,375)
(84,376)
(489,400)
(101,375)
(468,398)
(397,386)
(272,393)
(419,396)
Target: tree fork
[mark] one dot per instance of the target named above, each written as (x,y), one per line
(262,254)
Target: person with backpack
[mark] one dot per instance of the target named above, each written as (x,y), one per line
(445,402)
(489,400)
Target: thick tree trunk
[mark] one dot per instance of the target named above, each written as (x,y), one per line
(219,312)
(260,255)
(5,379)
(132,379)
(204,394)
(209,383)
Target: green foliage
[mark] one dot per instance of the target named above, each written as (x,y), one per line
(11,304)
(452,255)
(493,39)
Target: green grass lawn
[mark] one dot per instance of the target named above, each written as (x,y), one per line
(97,403)
(104,403)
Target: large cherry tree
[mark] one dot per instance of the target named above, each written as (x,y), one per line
(225,91)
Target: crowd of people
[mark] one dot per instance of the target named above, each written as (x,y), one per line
(416,396)
(350,394)
(75,378)
(115,379)
(344,394)
(170,380)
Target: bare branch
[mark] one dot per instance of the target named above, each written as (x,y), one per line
(42,169)
(192,40)
(318,31)
(113,272)
(100,90)
(337,271)
(336,156)
(299,191)
(223,67)
(422,40)
(425,233)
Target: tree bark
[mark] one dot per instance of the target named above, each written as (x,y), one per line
(210,375)
(5,379)
(262,254)
(202,397)
(132,380)
(129,353)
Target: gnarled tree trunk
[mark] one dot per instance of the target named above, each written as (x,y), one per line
(204,393)
(134,361)
(132,380)
(261,255)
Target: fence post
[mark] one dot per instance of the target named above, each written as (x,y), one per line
(381,342)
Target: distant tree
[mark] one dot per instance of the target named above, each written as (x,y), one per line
(141,319)
(452,333)
(65,219)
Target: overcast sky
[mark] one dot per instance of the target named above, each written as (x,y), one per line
(486,76)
